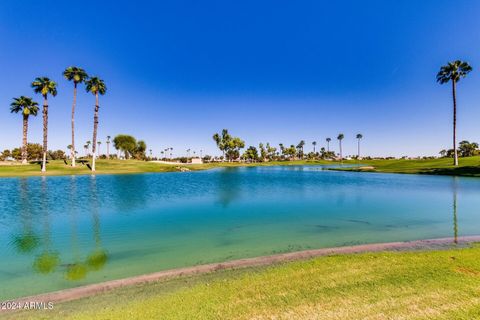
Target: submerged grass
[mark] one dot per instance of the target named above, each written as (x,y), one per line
(440,284)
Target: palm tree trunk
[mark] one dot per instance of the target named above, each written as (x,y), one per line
(45,133)
(454,94)
(108,150)
(73,123)
(95,127)
(341,157)
(328,146)
(24,142)
(358,147)
(455,222)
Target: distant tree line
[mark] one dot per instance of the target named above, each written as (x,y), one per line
(231,147)
(465,149)
(34,153)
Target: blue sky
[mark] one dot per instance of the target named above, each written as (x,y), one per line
(276,71)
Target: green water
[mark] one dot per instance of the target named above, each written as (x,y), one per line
(62,232)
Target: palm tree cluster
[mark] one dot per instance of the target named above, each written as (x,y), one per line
(465,149)
(231,146)
(47,87)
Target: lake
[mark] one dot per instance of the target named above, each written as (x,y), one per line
(62,232)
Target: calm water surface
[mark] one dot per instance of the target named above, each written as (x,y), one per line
(61,232)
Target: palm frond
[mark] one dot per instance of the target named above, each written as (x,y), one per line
(44,86)
(95,85)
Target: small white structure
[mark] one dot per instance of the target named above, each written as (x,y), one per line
(197,161)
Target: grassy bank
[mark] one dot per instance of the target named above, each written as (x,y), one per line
(441,284)
(58,167)
(467,166)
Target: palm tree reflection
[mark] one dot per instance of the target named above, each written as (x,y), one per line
(77,270)
(27,241)
(455,223)
(48,260)
(97,259)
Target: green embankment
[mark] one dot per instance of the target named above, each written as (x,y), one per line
(467,166)
(440,284)
(58,167)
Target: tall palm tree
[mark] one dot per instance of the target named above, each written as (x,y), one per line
(27,107)
(359,137)
(328,144)
(96,86)
(314,143)
(77,75)
(45,86)
(108,147)
(453,72)
(340,138)
(302,144)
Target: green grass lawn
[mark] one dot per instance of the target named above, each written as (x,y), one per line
(439,284)
(58,167)
(467,166)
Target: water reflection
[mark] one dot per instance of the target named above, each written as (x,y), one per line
(97,259)
(75,270)
(27,241)
(228,185)
(47,261)
(455,223)
(34,204)
(65,231)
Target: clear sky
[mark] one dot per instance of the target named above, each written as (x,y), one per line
(276,71)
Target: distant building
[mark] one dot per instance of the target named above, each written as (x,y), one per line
(197,161)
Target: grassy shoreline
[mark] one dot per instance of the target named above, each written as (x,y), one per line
(347,286)
(58,167)
(469,167)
